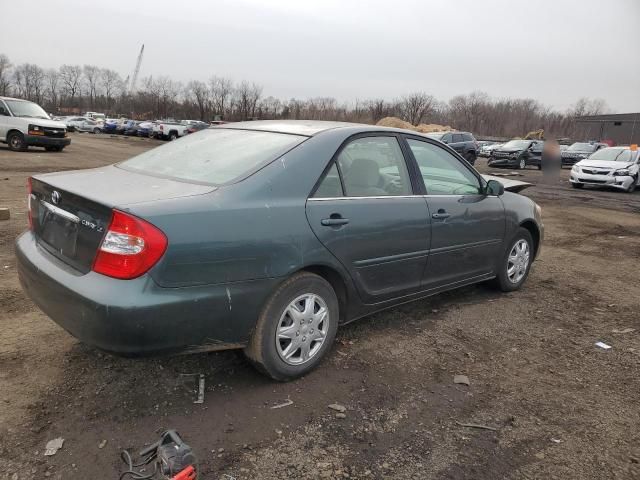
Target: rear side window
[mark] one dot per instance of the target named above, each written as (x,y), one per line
(330,186)
(374,166)
(468,137)
(215,156)
(457,138)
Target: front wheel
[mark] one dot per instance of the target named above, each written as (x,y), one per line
(632,187)
(173,136)
(470,157)
(515,263)
(296,327)
(16,142)
(522,164)
(96,131)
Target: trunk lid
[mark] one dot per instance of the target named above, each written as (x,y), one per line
(71,211)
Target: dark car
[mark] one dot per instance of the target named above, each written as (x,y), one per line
(267,236)
(462,142)
(132,128)
(579,151)
(517,154)
(197,126)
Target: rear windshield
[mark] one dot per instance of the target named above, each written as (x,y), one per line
(214,156)
(581,147)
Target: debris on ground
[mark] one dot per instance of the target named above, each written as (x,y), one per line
(624,330)
(5,213)
(461,379)
(53,446)
(338,408)
(102,444)
(200,390)
(603,345)
(341,415)
(555,440)
(476,425)
(286,403)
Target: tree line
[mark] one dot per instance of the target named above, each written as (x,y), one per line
(72,89)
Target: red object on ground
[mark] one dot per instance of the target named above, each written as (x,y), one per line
(188,473)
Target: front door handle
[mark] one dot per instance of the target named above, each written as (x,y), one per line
(335,220)
(441,214)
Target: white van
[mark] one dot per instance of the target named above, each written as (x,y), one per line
(25,124)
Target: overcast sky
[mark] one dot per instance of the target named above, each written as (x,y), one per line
(554,51)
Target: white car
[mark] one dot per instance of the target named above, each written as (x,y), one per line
(485,150)
(25,124)
(616,167)
(88,125)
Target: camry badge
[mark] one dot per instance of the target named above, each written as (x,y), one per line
(55,197)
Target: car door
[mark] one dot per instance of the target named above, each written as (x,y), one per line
(534,154)
(467,226)
(365,213)
(457,142)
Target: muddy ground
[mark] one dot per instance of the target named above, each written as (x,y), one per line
(559,407)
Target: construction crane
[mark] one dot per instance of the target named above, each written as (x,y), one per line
(134,77)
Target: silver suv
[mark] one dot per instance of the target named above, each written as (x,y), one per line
(25,124)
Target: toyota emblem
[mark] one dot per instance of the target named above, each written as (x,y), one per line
(55,197)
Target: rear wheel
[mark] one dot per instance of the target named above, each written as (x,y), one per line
(296,327)
(513,268)
(470,157)
(522,164)
(16,142)
(96,131)
(173,136)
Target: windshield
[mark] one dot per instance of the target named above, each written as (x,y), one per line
(26,109)
(516,145)
(215,156)
(612,155)
(580,147)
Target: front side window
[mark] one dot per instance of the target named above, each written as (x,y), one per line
(214,156)
(374,166)
(457,138)
(443,174)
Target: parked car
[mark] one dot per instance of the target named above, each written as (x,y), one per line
(88,125)
(73,122)
(616,167)
(485,150)
(131,128)
(580,150)
(266,236)
(110,125)
(517,154)
(197,126)
(145,129)
(97,117)
(25,124)
(462,142)
(170,130)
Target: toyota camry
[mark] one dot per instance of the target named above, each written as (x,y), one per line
(266,236)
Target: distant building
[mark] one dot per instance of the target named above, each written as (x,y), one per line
(619,128)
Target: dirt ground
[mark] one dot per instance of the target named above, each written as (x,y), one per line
(559,407)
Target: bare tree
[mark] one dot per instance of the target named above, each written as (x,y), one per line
(71,78)
(92,76)
(29,82)
(52,78)
(5,77)
(416,106)
(200,93)
(221,90)
(111,83)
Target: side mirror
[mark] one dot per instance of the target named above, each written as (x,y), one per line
(494,187)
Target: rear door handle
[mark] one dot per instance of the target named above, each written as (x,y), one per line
(441,214)
(335,220)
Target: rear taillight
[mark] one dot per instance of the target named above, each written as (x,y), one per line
(30,198)
(130,247)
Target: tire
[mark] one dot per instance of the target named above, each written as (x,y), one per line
(632,187)
(470,157)
(16,142)
(173,136)
(96,131)
(577,185)
(268,350)
(510,282)
(522,164)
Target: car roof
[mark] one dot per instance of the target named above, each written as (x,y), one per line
(15,99)
(310,128)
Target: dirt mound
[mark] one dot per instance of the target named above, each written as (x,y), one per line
(395,122)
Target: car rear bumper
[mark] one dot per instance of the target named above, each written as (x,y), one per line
(41,141)
(620,182)
(132,317)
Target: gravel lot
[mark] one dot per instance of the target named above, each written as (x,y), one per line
(561,407)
